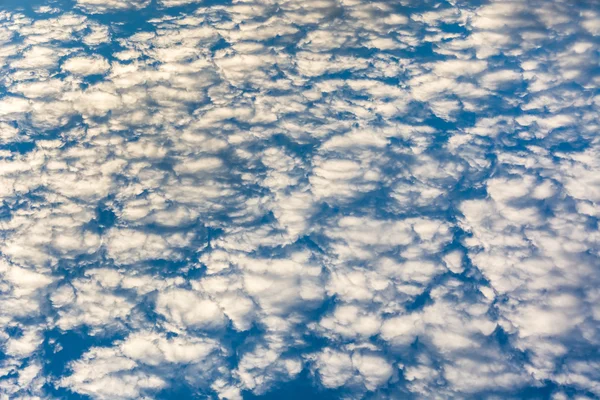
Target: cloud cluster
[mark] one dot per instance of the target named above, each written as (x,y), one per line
(389,199)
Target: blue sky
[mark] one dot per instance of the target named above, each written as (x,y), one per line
(328,199)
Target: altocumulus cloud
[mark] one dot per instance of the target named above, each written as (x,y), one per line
(333,199)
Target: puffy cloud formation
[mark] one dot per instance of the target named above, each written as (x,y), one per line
(361,199)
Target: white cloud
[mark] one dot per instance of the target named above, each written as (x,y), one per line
(154,349)
(176,3)
(454,68)
(350,321)
(454,261)
(375,370)
(25,345)
(38,57)
(335,368)
(99,34)
(86,65)
(104,6)
(196,166)
(12,105)
(591,22)
(96,103)
(278,286)
(188,309)
(105,374)
(497,79)
(131,246)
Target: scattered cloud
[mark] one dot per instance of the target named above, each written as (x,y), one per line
(386,199)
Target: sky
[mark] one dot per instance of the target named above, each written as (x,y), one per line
(292,199)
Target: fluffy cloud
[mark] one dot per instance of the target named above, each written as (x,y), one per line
(86,65)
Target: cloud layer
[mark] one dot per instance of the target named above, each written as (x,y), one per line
(395,199)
